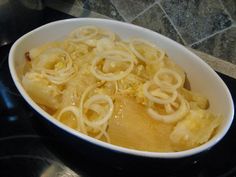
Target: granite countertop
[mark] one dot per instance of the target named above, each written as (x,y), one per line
(207,27)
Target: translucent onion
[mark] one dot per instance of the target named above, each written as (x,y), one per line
(107,34)
(140,56)
(168,108)
(104,44)
(75,111)
(87,90)
(60,77)
(103,132)
(167,85)
(175,116)
(124,47)
(56,75)
(157,100)
(83,33)
(118,56)
(104,117)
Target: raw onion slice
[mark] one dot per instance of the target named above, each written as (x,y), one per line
(174,117)
(57,75)
(103,133)
(155,99)
(83,33)
(165,84)
(113,55)
(132,44)
(125,47)
(104,117)
(75,111)
(107,34)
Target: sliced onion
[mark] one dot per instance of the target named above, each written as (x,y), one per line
(57,76)
(174,117)
(43,60)
(110,35)
(168,108)
(81,107)
(60,77)
(95,107)
(141,57)
(117,55)
(114,56)
(103,132)
(126,48)
(104,44)
(106,116)
(164,84)
(75,111)
(154,99)
(77,35)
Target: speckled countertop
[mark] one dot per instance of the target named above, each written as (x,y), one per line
(207,27)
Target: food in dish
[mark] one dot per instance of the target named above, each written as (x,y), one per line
(125,92)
